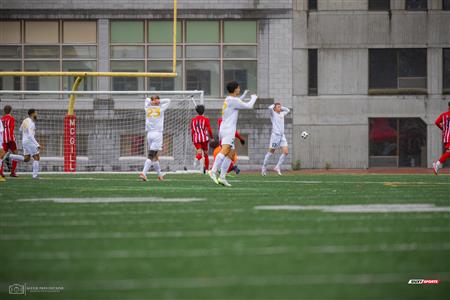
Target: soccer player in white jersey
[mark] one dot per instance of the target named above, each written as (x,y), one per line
(154,126)
(277,138)
(230,112)
(2,152)
(30,145)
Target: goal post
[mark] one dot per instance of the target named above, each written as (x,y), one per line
(105,130)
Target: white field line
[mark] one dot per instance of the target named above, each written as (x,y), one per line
(361,208)
(113,200)
(210,233)
(126,284)
(380,248)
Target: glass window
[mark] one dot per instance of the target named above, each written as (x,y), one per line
(383,142)
(127,83)
(243,72)
(80,32)
(398,70)
(89,83)
(41,51)
(11,52)
(42,82)
(127,52)
(446,4)
(240,32)
(132,145)
(203,75)
(239,52)
(379,4)
(127,32)
(412,143)
(165,84)
(312,4)
(312,72)
(10,32)
(416,4)
(41,32)
(79,52)
(162,32)
(10,82)
(163,52)
(202,52)
(202,32)
(446,69)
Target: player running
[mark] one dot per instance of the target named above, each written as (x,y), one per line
(443,122)
(30,145)
(277,139)
(201,134)
(154,126)
(9,140)
(230,113)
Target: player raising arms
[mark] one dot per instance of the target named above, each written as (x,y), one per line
(30,145)
(154,126)
(9,140)
(443,122)
(201,134)
(277,139)
(230,113)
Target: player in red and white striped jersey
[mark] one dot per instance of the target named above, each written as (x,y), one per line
(201,134)
(9,140)
(443,122)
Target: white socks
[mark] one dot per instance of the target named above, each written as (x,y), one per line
(16,157)
(266,158)
(281,160)
(157,167)
(35,168)
(225,165)
(217,162)
(147,165)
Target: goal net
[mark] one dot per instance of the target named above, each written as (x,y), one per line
(107,132)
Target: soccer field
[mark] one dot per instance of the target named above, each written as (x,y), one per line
(115,237)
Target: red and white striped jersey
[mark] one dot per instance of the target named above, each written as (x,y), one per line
(201,129)
(8,123)
(443,122)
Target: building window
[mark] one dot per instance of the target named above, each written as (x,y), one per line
(446,70)
(397,142)
(379,4)
(446,4)
(312,4)
(416,4)
(312,72)
(397,71)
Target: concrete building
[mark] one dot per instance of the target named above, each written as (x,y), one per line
(365,78)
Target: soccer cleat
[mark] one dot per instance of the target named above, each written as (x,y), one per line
(277,169)
(2,179)
(161,177)
(435,168)
(36,178)
(13,175)
(236,170)
(263,171)
(204,170)
(224,182)
(213,176)
(143,177)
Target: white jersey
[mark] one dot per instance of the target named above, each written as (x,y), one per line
(2,129)
(230,113)
(154,115)
(278,119)
(28,129)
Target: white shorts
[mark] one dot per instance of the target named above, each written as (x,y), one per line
(277,141)
(228,140)
(29,148)
(155,141)
(1,139)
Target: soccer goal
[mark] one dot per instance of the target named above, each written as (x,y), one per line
(105,132)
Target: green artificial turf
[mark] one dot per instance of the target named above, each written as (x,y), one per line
(222,247)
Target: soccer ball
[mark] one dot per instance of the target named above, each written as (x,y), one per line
(304,135)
